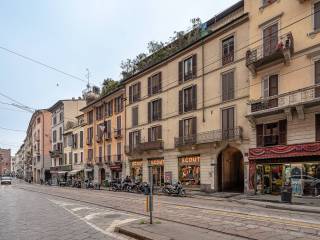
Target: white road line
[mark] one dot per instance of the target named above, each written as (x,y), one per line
(81,208)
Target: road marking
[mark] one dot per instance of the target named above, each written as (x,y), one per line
(81,208)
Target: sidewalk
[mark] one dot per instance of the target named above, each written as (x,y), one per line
(301,204)
(162,230)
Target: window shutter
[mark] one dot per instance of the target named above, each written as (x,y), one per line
(259,135)
(149,112)
(282,132)
(180,128)
(130,139)
(194,125)
(149,134)
(180,72)
(316,16)
(231,118)
(139,90)
(194,97)
(231,86)
(149,87)
(317,127)
(180,102)
(139,136)
(265,87)
(224,87)
(160,132)
(194,65)
(111,107)
(130,94)
(160,82)
(273,85)
(160,109)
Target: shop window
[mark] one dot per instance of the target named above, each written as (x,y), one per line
(136,170)
(189,170)
(272,134)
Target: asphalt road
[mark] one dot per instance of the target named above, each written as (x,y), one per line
(42,212)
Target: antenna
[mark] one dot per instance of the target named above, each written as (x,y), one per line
(88,77)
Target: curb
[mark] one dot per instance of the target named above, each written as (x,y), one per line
(138,234)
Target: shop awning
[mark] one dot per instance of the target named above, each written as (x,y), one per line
(88,169)
(74,172)
(62,172)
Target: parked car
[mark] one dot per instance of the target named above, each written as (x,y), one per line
(5,180)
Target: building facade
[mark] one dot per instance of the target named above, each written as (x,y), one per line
(185,116)
(73,146)
(284,64)
(5,161)
(104,137)
(64,112)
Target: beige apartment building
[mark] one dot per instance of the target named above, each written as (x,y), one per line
(284,64)
(186,116)
(63,112)
(73,146)
(40,129)
(104,136)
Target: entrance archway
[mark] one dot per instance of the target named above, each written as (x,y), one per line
(102,175)
(230,170)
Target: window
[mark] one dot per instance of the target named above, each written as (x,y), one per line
(118,123)
(317,127)
(38,120)
(154,84)
(89,135)
(271,134)
(118,104)
(60,133)
(228,123)
(135,118)
(154,110)
(99,112)
(70,158)
(317,77)
(317,16)
(188,69)
(227,86)
(99,133)
(81,157)
(154,134)
(90,117)
(134,139)
(61,116)
(187,131)
(100,154)
(81,139)
(54,136)
(188,99)
(90,154)
(109,152)
(107,129)
(65,159)
(75,140)
(119,149)
(69,139)
(109,108)
(267,2)
(75,157)
(228,50)
(54,120)
(270,86)
(270,40)
(134,92)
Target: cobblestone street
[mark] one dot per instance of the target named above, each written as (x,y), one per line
(68,213)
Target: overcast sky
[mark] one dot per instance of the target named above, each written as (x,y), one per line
(73,35)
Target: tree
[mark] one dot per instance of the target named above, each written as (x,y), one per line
(108,86)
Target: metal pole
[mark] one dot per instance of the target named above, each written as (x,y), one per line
(150,194)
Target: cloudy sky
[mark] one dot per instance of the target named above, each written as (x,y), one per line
(72,35)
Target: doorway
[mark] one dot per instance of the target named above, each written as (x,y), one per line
(230,170)
(102,175)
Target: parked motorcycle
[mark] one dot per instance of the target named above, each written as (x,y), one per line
(89,184)
(175,189)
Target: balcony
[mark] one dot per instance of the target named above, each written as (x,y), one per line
(99,138)
(99,160)
(209,137)
(149,146)
(107,136)
(118,133)
(118,158)
(89,142)
(265,56)
(308,96)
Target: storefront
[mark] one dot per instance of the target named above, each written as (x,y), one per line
(136,170)
(59,173)
(157,171)
(298,165)
(116,171)
(189,170)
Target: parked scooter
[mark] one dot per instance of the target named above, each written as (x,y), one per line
(89,184)
(175,189)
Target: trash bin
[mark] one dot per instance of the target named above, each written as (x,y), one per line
(106,183)
(286,194)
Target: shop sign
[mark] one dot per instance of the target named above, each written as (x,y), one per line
(136,163)
(156,162)
(168,177)
(190,160)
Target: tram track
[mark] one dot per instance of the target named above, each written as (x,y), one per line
(265,220)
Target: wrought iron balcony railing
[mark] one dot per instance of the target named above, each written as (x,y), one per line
(209,137)
(268,53)
(304,96)
(152,145)
(118,133)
